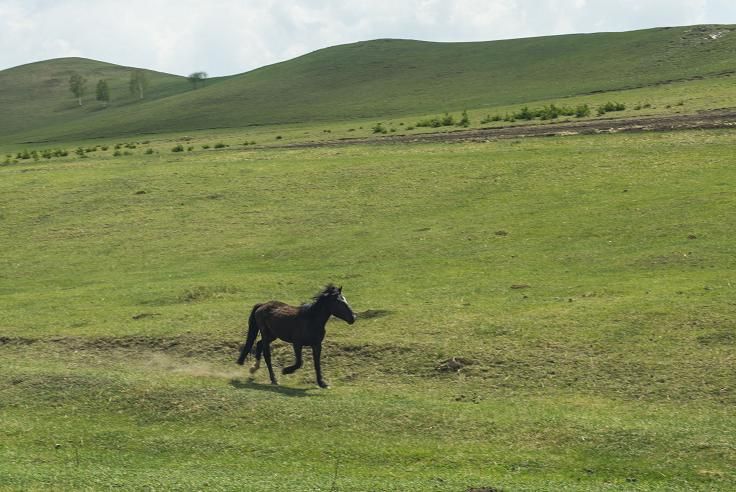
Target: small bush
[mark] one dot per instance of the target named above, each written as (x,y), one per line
(429,123)
(127,152)
(351,129)
(550,112)
(409,127)
(145,142)
(190,148)
(464,120)
(379,128)
(205,146)
(117,146)
(178,148)
(104,147)
(79,151)
(117,153)
(220,145)
(148,151)
(446,120)
(609,107)
(279,137)
(524,114)
(582,110)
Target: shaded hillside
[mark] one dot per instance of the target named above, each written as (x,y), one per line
(37,94)
(398,77)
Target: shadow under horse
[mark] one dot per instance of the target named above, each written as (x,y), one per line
(299,325)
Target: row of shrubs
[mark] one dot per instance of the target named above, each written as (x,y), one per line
(552,111)
(218,145)
(445,120)
(435,122)
(82,151)
(37,154)
(549,112)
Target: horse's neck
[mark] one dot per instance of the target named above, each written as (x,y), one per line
(318,313)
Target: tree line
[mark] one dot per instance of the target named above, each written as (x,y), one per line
(138,84)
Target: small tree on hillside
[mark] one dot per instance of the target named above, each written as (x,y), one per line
(103,92)
(197,77)
(138,82)
(77,84)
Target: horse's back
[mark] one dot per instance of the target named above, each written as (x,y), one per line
(280,320)
(276,309)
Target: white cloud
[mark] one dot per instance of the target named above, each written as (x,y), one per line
(229,36)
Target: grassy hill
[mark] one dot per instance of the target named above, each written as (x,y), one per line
(37,94)
(386,78)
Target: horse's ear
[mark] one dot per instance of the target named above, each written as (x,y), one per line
(339,289)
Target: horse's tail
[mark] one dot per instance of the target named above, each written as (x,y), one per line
(252,334)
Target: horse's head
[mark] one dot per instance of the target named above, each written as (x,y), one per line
(339,306)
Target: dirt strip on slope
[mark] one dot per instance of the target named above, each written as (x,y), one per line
(721,118)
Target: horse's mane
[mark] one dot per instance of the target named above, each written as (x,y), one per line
(329,291)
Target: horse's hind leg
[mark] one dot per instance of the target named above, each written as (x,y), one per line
(267,356)
(298,363)
(259,352)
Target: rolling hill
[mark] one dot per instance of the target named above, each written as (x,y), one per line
(37,94)
(368,79)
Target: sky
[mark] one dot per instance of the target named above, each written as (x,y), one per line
(224,37)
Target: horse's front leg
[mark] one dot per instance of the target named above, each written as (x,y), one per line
(297,363)
(316,354)
(267,357)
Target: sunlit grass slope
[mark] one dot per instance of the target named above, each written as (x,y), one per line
(387,78)
(585,284)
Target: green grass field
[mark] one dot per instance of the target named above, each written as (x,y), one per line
(585,284)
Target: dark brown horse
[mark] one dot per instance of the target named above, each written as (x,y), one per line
(300,326)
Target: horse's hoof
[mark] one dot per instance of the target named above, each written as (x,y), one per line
(323,385)
(274,382)
(253,369)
